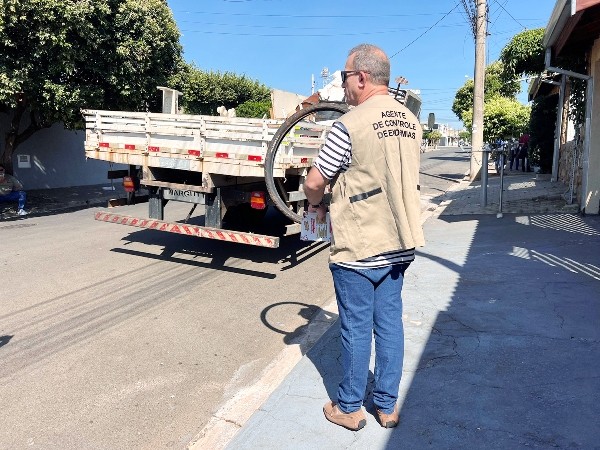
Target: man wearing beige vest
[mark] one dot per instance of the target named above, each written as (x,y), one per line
(370,160)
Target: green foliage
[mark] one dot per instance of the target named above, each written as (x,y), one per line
(542,128)
(524,54)
(58,56)
(494,85)
(203,92)
(463,100)
(466,135)
(432,135)
(502,118)
(254,109)
(576,63)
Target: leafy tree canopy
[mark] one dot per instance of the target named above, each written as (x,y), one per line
(254,109)
(494,85)
(58,56)
(432,135)
(524,54)
(203,92)
(502,118)
(464,135)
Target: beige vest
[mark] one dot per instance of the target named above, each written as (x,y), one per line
(375,204)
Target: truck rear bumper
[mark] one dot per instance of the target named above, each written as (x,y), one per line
(259,240)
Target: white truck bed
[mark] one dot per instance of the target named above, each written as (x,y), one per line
(206,144)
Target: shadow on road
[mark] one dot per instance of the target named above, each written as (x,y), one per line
(5,340)
(291,251)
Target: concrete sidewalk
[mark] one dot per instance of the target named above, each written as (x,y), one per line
(502,343)
(42,202)
(523,192)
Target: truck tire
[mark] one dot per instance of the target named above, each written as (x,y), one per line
(278,137)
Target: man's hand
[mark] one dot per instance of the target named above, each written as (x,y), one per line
(321,211)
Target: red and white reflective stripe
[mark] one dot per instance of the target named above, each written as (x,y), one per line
(254,158)
(129,147)
(153,149)
(259,240)
(104,144)
(194,152)
(213,154)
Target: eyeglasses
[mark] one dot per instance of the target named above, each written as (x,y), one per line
(347,73)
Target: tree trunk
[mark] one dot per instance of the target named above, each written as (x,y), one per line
(10,140)
(9,148)
(13,138)
(565,117)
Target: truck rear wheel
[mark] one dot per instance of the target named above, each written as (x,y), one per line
(277,187)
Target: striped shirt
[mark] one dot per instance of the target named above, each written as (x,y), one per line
(334,157)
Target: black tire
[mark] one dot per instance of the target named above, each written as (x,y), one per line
(278,137)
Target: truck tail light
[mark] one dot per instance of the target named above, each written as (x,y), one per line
(258,200)
(128,184)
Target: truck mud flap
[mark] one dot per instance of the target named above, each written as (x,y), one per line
(237,237)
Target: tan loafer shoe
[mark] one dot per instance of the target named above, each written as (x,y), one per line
(353,421)
(389,420)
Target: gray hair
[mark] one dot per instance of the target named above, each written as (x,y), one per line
(372,59)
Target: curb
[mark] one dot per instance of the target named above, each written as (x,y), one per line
(231,417)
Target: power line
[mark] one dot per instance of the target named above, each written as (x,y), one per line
(471,16)
(292,34)
(301,24)
(426,31)
(505,10)
(234,33)
(312,16)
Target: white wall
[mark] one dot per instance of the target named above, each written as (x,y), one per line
(591,200)
(57,159)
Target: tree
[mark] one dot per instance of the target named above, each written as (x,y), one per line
(464,135)
(494,85)
(524,54)
(433,137)
(58,56)
(254,109)
(502,118)
(463,100)
(203,92)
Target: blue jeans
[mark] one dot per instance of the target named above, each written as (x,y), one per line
(15,196)
(370,301)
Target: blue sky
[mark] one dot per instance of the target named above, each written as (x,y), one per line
(282,43)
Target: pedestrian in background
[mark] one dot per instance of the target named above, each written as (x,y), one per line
(514,154)
(524,152)
(371,161)
(11,190)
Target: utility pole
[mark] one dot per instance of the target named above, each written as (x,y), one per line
(478,89)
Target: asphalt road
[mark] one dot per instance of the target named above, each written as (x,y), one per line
(441,169)
(116,337)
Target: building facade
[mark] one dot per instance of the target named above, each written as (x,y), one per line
(573,31)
